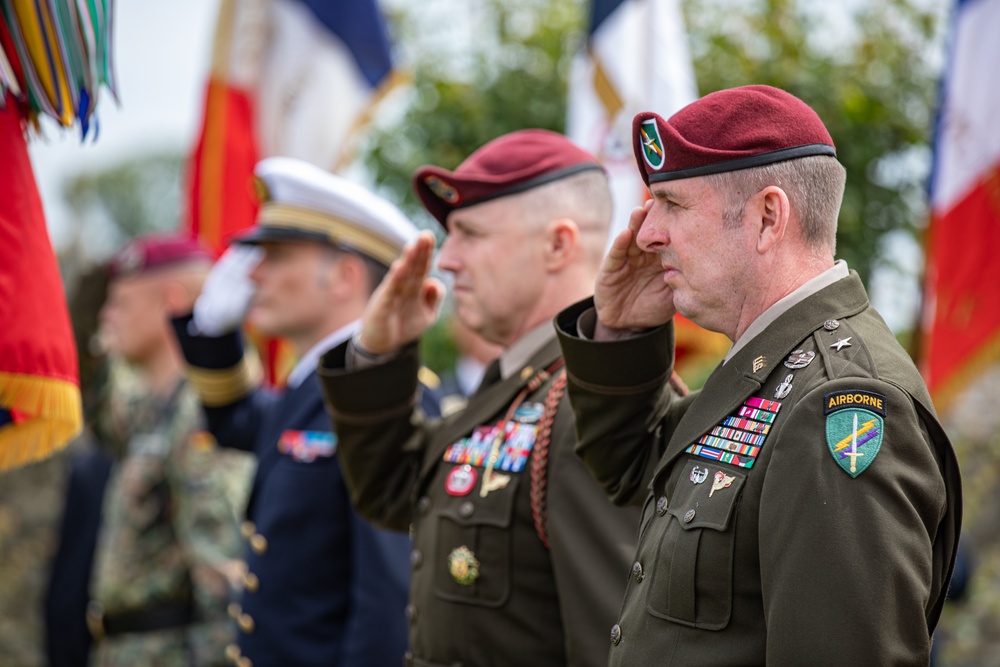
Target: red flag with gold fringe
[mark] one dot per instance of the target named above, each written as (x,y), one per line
(39,384)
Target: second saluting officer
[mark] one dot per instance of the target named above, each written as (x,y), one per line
(323,587)
(518,557)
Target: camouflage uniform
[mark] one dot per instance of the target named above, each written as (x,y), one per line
(170,527)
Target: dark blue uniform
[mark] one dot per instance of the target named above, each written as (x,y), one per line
(323,586)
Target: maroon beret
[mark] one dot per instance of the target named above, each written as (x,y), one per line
(507,165)
(153,251)
(728,130)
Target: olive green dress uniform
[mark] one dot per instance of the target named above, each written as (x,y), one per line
(782,553)
(485,589)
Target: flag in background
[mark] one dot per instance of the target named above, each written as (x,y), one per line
(961,310)
(55,57)
(635,59)
(296,78)
(288,77)
(39,381)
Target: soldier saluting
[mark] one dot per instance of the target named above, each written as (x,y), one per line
(804,506)
(518,555)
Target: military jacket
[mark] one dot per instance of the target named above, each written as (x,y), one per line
(486,590)
(169,527)
(323,586)
(803,508)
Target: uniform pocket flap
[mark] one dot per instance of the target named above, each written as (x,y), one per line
(706,495)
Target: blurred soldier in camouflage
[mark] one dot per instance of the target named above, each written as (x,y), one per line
(166,556)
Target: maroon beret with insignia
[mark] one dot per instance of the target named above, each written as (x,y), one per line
(507,165)
(153,251)
(728,130)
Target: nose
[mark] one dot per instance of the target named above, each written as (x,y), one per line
(448,258)
(652,236)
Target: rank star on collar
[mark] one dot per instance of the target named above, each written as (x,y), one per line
(842,343)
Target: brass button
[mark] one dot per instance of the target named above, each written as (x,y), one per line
(234,610)
(637,571)
(244,662)
(411,613)
(423,504)
(466,509)
(247,529)
(416,558)
(689,516)
(661,505)
(259,544)
(527,372)
(245,621)
(616,634)
(251,582)
(232,653)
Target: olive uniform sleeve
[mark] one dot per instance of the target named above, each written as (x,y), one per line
(381,433)
(623,403)
(849,559)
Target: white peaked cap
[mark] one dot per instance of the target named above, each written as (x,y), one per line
(300,201)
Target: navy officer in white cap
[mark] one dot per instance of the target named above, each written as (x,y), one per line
(322,586)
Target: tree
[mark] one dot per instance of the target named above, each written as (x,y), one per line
(870,80)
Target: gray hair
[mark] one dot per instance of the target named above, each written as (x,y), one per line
(815,189)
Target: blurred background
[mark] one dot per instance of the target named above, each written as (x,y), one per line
(206,87)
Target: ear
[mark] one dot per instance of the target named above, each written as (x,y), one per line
(562,243)
(773,212)
(348,275)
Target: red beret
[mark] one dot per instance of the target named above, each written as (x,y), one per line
(507,165)
(153,251)
(728,130)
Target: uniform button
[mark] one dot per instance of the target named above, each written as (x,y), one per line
(259,544)
(244,662)
(689,516)
(831,325)
(234,610)
(411,613)
(416,558)
(616,634)
(423,504)
(232,653)
(637,571)
(247,529)
(661,505)
(251,582)
(245,621)
(408,659)
(466,509)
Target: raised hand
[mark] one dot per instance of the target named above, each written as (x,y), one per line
(629,293)
(406,302)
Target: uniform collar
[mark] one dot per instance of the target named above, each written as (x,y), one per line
(836,272)
(514,358)
(307,364)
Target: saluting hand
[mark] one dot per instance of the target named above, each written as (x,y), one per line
(406,302)
(630,293)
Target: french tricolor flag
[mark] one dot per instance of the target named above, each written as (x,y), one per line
(288,77)
(961,313)
(635,59)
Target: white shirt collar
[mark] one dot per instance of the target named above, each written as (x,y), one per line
(836,272)
(307,364)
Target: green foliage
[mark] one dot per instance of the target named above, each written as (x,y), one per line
(514,78)
(870,81)
(136,196)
